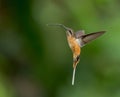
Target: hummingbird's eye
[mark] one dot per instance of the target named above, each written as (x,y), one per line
(70,31)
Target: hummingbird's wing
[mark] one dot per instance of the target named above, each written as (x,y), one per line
(78,34)
(84,39)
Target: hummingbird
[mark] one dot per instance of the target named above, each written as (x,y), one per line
(76,41)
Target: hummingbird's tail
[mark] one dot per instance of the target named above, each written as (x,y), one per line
(73,77)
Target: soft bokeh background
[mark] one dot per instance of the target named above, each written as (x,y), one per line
(35,60)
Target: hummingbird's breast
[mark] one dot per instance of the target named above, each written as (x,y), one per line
(74,45)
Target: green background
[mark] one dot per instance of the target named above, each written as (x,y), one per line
(36,61)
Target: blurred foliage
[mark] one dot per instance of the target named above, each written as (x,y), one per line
(35,60)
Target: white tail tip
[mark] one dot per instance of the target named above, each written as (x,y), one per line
(73,77)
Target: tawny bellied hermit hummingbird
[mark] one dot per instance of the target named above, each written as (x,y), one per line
(76,41)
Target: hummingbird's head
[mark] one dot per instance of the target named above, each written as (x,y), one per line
(69,32)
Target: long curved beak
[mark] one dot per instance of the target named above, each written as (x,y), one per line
(61,25)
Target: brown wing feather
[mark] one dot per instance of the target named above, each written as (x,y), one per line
(80,33)
(89,37)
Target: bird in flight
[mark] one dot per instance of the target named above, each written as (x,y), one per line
(76,41)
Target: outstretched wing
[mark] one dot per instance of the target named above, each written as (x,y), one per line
(84,39)
(78,34)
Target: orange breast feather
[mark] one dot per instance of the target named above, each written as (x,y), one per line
(74,45)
